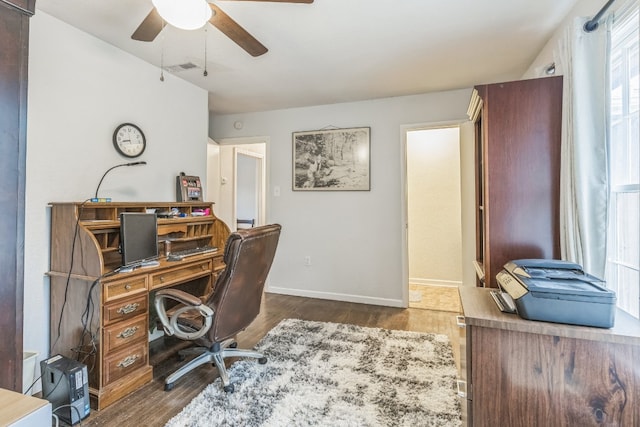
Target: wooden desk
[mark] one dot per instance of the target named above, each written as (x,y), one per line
(528,373)
(101,318)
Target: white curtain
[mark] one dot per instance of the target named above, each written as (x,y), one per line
(584,193)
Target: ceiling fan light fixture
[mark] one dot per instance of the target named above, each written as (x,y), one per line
(184,14)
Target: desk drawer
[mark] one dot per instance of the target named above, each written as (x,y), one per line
(122,363)
(125,288)
(125,333)
(218,263)
(181,274)
(126,309)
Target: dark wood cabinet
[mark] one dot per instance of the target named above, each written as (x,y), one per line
(527,373)
(518,131)
(14,36)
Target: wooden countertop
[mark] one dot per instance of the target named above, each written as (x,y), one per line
(480,310)
(14,406)
(163,265)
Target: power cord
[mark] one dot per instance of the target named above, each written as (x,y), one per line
(67,406)
(87,316)
(45,396)
(86,320)
(66,289)
(32,384)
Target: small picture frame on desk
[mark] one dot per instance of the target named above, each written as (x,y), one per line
(332,160)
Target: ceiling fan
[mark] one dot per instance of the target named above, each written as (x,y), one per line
(154,23)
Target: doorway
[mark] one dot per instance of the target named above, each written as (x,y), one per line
(226,156)
(433,220)
(249,188)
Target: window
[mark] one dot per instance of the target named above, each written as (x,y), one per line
(623,258)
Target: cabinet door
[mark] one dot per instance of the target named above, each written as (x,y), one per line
(519,173)
(14,33)
(464,382)
(523,379)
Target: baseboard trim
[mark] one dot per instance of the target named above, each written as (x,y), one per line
(386,302)
(435,282)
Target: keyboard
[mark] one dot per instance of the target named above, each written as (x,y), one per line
(180,255)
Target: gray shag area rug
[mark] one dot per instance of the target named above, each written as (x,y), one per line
(329,374)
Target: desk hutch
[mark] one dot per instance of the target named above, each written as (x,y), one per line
(101,317)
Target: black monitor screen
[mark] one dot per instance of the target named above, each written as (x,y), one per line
(138,237)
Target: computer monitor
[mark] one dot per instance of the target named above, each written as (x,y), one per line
(138,237)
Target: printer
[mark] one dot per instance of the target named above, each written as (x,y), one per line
(557,291)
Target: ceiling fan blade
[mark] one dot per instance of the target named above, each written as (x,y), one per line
(150,27)
(235,32)
(283,1)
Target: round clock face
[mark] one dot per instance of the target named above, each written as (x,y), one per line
(129,140)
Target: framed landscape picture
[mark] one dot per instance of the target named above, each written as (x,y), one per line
(332,160)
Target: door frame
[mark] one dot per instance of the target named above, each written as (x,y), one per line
(404,185)
(227,173)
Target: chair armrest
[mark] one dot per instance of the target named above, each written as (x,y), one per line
(189,302)
(180,296)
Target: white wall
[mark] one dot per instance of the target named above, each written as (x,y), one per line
(546,56)
(434,217)
(354,239)
(212,187)
(80,89)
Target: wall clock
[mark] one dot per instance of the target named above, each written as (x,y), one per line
(129,140)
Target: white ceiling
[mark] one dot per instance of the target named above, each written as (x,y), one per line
(335,50)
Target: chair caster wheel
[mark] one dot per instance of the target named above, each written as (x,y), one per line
(262,360)
(229,388)
(233,345)
(169,386)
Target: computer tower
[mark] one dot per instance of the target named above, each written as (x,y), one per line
(65,383)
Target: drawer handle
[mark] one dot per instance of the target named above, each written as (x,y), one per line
(127,287)
(129,308)
(128,333)
(462,388)
(203,267)
(461,322)
(128,361)
(161,279)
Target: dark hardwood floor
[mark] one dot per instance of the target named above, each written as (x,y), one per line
(152,406)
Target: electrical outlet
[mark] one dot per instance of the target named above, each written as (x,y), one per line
(307,260)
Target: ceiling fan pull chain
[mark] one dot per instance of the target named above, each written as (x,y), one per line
(162,58)
(205,73)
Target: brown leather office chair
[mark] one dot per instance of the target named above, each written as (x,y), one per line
(229,309)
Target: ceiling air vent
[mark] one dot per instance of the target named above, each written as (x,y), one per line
(181,67)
